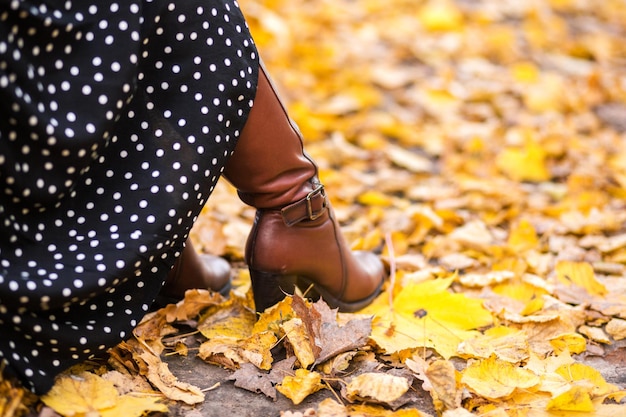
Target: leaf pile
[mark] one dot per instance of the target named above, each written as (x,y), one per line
(479,147)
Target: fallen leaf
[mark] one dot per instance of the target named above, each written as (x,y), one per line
(376,387)
(87,393)
(616,328)
(572,342)
(250,378)
(301,385)
(493,378)
(581,274)
(300,340)
(575,399)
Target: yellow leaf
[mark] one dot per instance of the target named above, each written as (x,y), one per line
(459,412)
(575,399)
(88,393)
(533,306)
(523,237)
(301,385)
(493,378)
(377,387)
(521,291)
(525,72)
(300,340)
(230,319)
(274,316)
(581,274)
(134,405)
(426,314)
(256,349)
(453,310)
(80,394)
(511,347)
(525,164)
(572,342)
(440,15)
(546,94)
(375,198)
(578,372)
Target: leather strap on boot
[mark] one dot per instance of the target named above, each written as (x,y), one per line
(310,207)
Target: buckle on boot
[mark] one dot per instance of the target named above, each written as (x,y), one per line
(319,190)
(311,207)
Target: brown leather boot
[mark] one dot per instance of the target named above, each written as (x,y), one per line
(193,270)
(295,239)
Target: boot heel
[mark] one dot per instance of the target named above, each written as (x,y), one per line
(269,288)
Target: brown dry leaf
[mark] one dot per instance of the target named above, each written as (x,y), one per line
(335,338)
(126,384)
(159,375)
(250,378)
(442,377)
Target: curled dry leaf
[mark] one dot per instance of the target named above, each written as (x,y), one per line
(376,387)
(617,329)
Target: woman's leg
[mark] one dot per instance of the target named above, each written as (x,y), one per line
(194,270)
(296,239)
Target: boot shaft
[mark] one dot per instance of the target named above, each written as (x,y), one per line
(269,167)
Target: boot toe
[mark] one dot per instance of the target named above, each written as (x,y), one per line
(219,272)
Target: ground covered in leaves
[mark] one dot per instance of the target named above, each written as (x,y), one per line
(479,146)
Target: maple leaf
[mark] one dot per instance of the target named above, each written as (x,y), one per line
(447,318)
(334,339)
(250,378)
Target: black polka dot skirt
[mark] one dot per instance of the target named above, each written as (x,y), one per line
(116,121)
